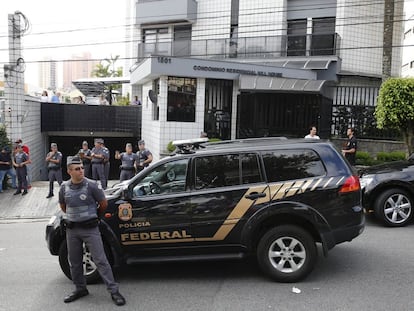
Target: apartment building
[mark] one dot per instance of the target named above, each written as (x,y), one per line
(252,68)
(408,51)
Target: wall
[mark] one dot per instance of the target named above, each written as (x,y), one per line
(373,147)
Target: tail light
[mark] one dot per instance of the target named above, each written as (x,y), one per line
(351,184)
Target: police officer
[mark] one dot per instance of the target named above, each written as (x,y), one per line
(54,166)
(20,161)
(128,159)
(85,155)
(82,200)
(107,164)
(98,157)
(144,156)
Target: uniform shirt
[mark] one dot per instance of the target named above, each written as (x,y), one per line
(351,144)
(106,154)
(78,197)
(98,151)
(5,157)
(20,157)
(56,156)
(86,152)
(143,155)
(128,160)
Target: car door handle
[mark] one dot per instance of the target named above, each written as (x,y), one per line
(255,195)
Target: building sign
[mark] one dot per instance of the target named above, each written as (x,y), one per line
(224,69)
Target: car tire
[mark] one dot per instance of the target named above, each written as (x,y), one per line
(92,275)
(287,253)
(394,207)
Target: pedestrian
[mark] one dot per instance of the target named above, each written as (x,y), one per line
(20,161)
(103,101)
(83,202)
(86,156)
(144,156)
(45,97)
(136,101)
(80,100)
(55,98)
(6,167)
(54,167)
(128,159)
(312,133)
(98,157)
(350,148)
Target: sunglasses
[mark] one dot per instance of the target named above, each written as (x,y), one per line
(78,168)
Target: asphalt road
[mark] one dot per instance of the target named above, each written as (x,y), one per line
(374,272)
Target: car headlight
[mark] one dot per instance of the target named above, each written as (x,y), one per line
(365,181)
(52,220)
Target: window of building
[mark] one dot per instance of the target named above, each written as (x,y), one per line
(284,165)
(323,36)
(296,45)
(181,99)
(182,40)
(156,41)
(226,170)
(154,99)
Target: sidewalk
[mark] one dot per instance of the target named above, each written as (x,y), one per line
(33,205)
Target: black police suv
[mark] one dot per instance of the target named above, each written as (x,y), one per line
(272,198)
(388,191)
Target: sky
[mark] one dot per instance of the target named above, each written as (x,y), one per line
(62,28)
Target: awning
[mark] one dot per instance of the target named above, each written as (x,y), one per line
(260,83)
(96,86)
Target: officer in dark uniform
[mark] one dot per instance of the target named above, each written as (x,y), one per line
(82,200)
(20,161)
(144,156)
(54,167)
(85,155)
(98,157)
(128,159)
(350,148)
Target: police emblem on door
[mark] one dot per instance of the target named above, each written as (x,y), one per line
(125,211)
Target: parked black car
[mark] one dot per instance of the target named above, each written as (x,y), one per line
(273,198)
(388,191)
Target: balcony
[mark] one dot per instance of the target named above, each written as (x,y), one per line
(254,47)
(166,11)
(125,120)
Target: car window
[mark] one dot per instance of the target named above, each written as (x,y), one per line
(292,164)
(166,178)
(224,170)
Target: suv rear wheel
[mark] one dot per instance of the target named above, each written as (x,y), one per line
(394,207)
(287,253)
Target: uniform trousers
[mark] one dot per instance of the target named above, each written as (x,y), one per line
(54,175)
(87,170)
(75,238)
(98,173)
(21,173)
(126,174)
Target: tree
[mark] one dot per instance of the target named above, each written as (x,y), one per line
(395,108)
(4,141)
(106,68)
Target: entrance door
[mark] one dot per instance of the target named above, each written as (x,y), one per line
(218,108)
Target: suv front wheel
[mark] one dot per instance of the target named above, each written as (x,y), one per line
(287,253)
(394,207)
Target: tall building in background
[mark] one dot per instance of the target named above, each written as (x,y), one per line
(47,74)
(81,66)
(408,51)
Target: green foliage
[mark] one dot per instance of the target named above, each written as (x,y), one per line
(395,107)
(391,156)
(170,147)
(364,158)
(4,140)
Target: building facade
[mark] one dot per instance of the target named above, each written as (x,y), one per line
(408,52)
(80,66)
(47,74)
(243,68)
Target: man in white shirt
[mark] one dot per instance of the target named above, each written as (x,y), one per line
(312,133)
